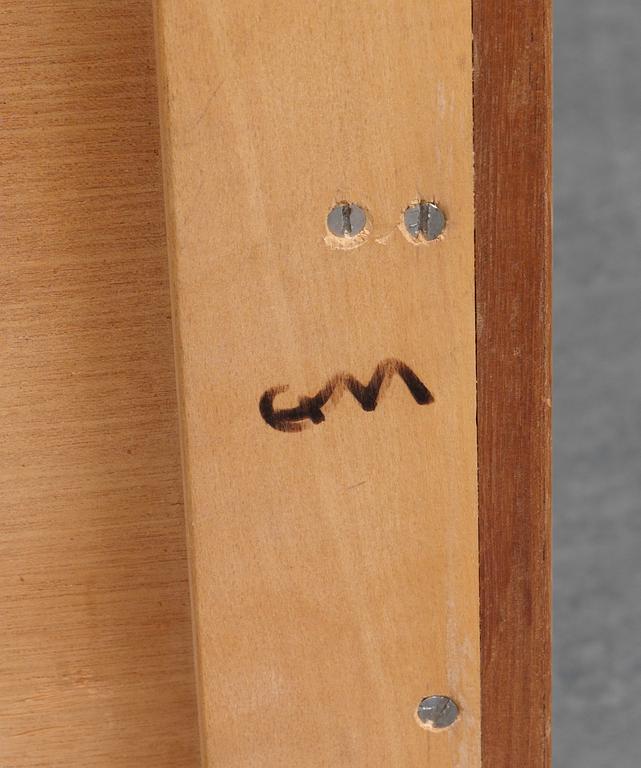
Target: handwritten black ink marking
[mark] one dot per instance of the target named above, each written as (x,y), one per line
(309,409)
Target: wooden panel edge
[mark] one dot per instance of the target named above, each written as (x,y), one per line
(170,230)
(512,137)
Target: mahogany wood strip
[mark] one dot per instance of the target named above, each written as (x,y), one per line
(95,638)
(512,98)
(334,567)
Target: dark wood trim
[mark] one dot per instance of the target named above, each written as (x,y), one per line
(512,130)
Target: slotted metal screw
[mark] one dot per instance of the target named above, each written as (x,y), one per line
(346,220)
(437,712)
(424,221)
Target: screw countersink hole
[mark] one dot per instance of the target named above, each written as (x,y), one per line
(347,223)
(437,712)
(424,221)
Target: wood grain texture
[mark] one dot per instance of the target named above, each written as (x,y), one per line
(512,98)
(95,645)
(335,570)
(94,640)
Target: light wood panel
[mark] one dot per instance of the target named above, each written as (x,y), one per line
(95,645)
(335,569)
(95,671)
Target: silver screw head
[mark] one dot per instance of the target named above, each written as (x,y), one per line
(424,221)
(346,220)
(437,712)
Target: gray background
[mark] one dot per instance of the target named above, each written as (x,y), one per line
(597,432)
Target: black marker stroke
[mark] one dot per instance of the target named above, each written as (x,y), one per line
(309,409)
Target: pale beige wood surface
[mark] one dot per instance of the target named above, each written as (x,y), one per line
(95,645)
(334,570)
